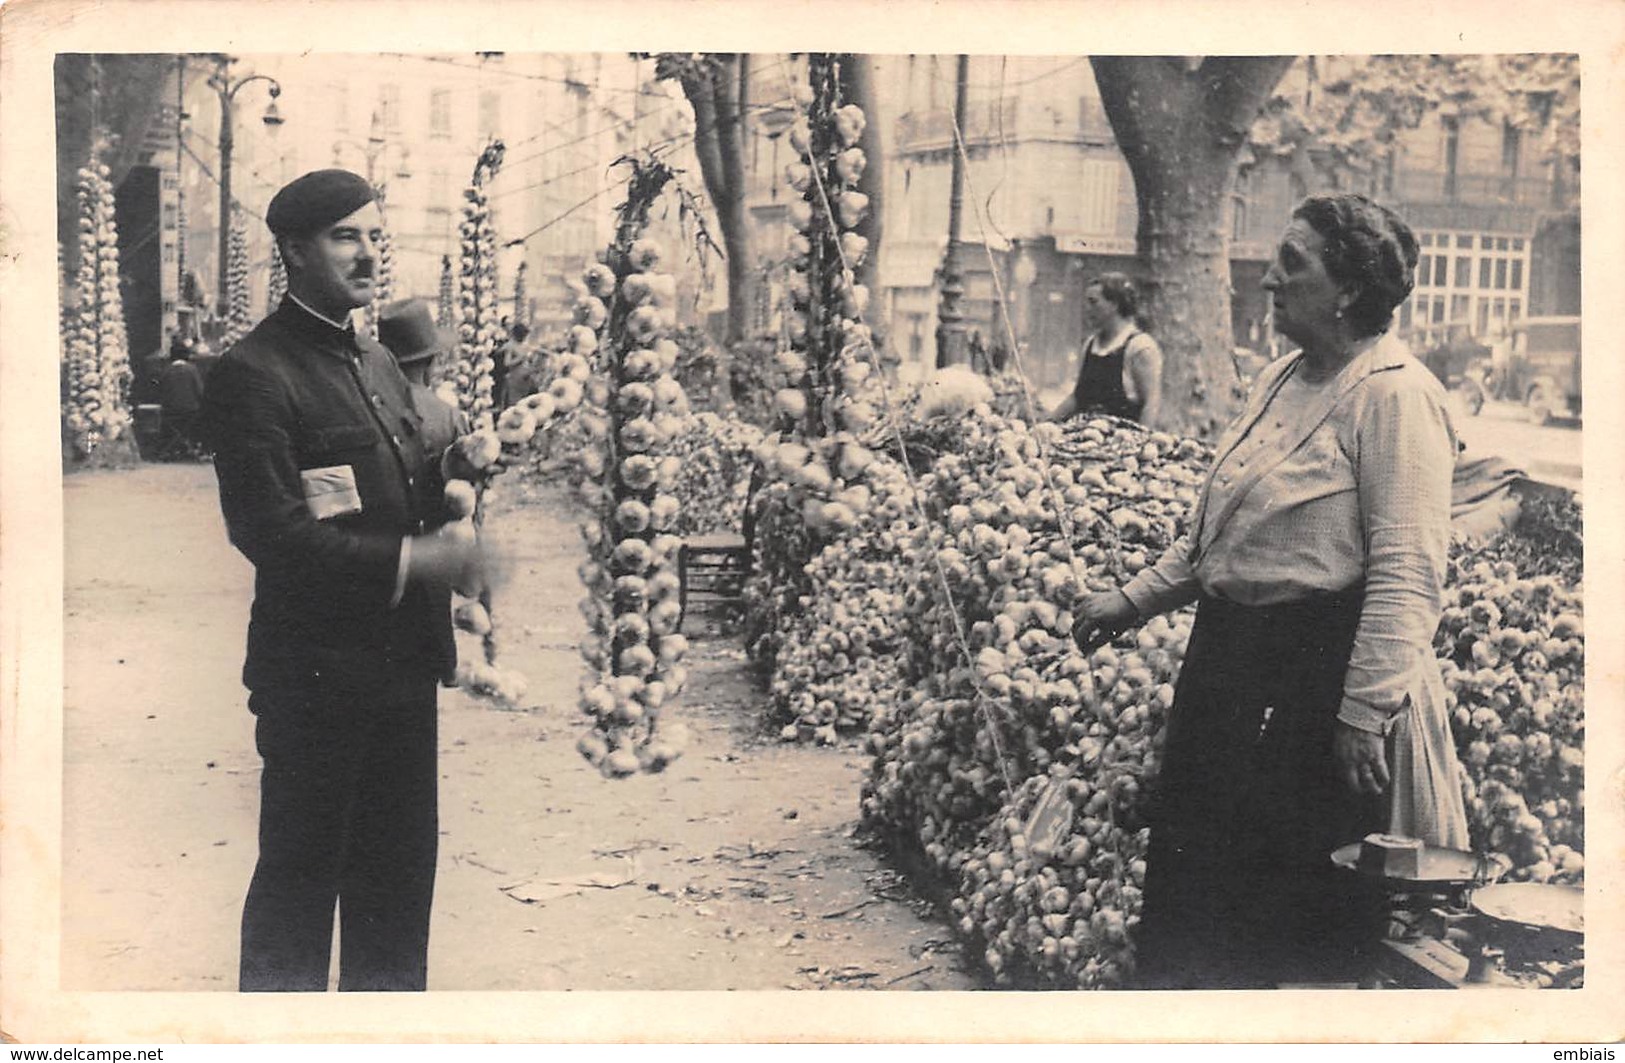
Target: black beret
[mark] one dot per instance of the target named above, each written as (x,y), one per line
(317,200)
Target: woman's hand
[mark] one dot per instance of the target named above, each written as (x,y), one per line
(1100,617)
(1362,759)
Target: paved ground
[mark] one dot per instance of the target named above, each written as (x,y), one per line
(1547,452)
(733,870)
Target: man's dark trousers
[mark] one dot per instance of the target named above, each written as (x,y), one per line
(348,813)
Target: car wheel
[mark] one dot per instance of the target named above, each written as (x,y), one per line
(1539,400)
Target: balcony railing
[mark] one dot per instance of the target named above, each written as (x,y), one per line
(1438,186)
(985,120)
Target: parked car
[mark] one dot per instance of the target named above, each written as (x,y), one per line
(1542,370)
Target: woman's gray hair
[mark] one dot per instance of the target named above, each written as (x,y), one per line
(1367,247)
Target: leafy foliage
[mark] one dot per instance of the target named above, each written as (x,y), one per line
(1348,110)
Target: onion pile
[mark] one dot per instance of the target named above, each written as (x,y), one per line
(239,317)
(633,410)
(479,327)
(97,409)
(1512,651)
(842,650)
(1053,899)
(715,456)
(818,464)
(276,284)
(946,783)
(383,281)
(446,295)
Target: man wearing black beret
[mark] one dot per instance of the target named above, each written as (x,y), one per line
(330,489)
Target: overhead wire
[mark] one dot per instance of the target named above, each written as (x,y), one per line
(1001,82)
(497,69)
(656,148)
(1004,156)
(210,174)
(673,103)
(265,182)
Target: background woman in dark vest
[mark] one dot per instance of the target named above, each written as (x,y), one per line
(1120,373)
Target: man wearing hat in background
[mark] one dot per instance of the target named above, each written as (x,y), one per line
(330,488)
(407,329)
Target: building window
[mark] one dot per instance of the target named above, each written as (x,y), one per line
(1464,240)
(1485,265)
(440,188)
(1461,306)
(1464,271)
(490,114)
(1517,274)
(1511,152)
(1239,200)
(1452,152)
(1501,273)
(440,113)
(389,107)
(438,222)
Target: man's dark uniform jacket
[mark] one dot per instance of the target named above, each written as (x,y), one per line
(298,409)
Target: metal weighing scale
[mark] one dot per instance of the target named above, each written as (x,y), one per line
(1458,928)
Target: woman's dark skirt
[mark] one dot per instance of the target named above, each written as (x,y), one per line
(1240,890)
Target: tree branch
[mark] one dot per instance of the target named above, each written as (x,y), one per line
(697,87)
(1235,89)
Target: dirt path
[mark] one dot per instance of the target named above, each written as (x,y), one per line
(735,869)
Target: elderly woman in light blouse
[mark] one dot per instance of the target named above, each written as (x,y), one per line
(1310,710)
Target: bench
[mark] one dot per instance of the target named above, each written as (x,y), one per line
(712,568)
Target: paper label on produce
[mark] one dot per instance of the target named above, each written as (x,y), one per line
(1051,819)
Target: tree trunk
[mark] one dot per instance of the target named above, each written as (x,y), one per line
(1181,125)
(712,88)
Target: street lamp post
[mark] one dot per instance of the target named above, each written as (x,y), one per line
(227,89)
(950,313)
